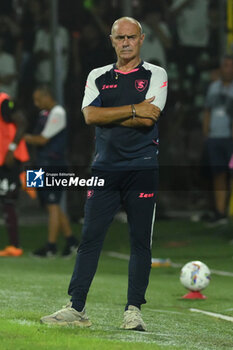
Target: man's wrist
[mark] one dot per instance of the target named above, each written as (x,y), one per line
(133,111)
(12,146)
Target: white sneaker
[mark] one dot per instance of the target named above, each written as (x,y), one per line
(133,319)
(67,316)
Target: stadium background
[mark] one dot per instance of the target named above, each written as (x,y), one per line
(31,288)
(88,24)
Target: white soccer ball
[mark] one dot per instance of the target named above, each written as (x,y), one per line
(195,275)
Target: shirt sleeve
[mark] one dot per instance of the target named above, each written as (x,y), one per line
(91,94)
(56,123)
(158,87)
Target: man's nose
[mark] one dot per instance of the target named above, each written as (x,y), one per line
(126,41)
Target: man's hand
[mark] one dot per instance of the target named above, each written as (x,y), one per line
(9,159)
(122,115)
(28,138)
(146,110)
(146,115)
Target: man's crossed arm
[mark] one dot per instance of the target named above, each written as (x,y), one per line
(146,115)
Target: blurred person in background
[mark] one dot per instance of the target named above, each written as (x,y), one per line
(91,49)
(157,39)
(10,31)
(217,130)
(29,23)
(50,138)
(13,152)
(8,71)
(102,13)
(191,17)
(191,21)
(42,51)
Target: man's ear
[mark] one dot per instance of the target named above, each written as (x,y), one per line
(142,38)
(111,38)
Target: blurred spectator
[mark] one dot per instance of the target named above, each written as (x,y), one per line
(18,7)
(50,139)
(42,51)
(30,21)
(8,73)
(214,33)
(13,152)
(192,22)
(6,7)
(157,39)
(92,49)
(10,31)
(217,129)
(191,19)
(102,14)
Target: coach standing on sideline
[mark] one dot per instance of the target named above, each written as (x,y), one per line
(124,101)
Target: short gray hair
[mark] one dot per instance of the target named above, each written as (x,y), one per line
(129,19)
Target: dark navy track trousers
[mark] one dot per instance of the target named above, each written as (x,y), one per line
(136,191)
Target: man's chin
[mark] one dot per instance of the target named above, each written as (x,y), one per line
(127,55)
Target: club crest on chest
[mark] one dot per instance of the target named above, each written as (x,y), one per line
(141,84)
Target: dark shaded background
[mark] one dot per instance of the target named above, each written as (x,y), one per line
(88,24)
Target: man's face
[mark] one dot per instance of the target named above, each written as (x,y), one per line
(227,70)
(127,40)
(40,99)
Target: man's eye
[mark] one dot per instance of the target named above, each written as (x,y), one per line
(130,37)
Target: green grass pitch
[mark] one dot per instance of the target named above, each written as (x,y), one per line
(31,288)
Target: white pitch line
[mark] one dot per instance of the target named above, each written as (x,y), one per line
(166,311)
(175,265)
(222,273)
(213,314)
(24,322)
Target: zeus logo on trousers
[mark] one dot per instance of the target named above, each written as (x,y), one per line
(146,195)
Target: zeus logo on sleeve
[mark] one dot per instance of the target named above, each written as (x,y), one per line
(164,84)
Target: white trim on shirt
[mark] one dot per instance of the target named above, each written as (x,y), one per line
(158,85)
(56,122)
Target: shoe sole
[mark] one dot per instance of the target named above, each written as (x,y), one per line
(137,328)
(73,323)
